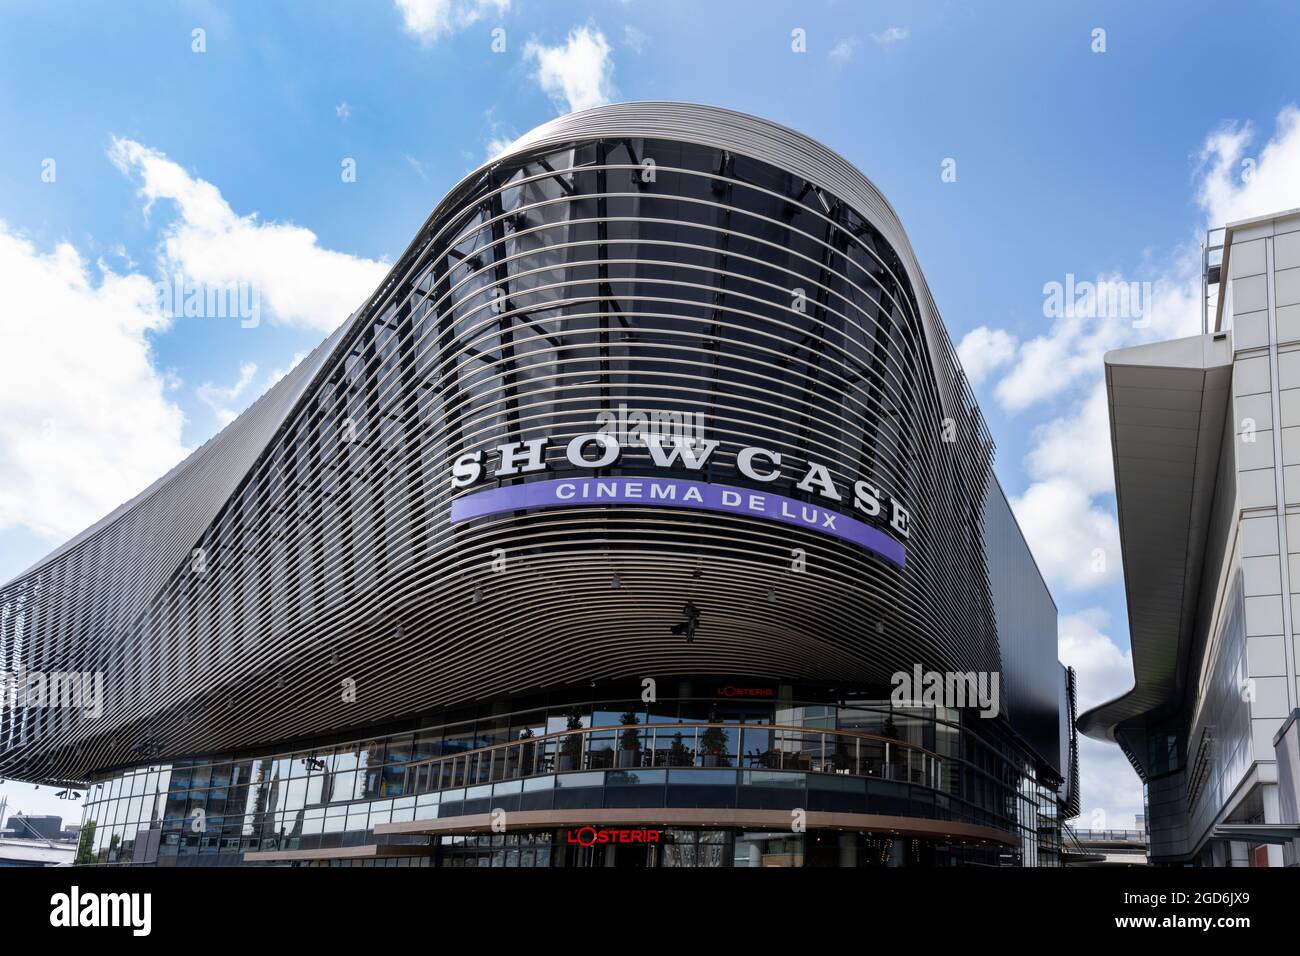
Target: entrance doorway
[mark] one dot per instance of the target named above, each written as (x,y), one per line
(584,847)
(632,855)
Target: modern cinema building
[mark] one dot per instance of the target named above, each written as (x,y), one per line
(596,536)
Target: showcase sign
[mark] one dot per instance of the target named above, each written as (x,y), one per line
(757,464)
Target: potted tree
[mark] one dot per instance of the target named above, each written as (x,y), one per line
(889,728)
(890,732)
(713,747)
(571,746)
(841,760)
(527,753)
(629,742)
(678,754)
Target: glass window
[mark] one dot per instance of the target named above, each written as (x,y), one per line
(400,748)
(358,816)
(634,778)
(579,780)
(707,778)
(427,744)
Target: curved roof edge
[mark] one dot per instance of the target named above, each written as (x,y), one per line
(779,146)
(1168,402)
(226,458)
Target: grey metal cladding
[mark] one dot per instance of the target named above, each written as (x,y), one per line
(71,605)
(332,560)
(783,148)
(1026,624)
(1070,795)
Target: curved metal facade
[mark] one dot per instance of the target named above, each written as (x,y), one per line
(642,255)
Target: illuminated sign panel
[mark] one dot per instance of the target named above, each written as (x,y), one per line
(761,465)
(595,836)
(677,493)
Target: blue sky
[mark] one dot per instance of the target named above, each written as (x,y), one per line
(227,164)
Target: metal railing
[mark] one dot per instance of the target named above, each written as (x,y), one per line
(1091,836)
(1070,842)
(701,745)
(1212,277)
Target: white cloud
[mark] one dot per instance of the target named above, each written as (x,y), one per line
(297,280)
(1070,353)
(343,111)
(501,136)
(1106,312)
(577,75)
(983,351)
(416,165)
(496,146)
(634,39)
(1236,185)
(119,250)
(86,417)
(1111,794)
(843,49)
(1077,446)
(1102,670)
(1063,514)
(224,399)
(430,19)
(1070,529)
(1050,364)
(1075,542)
(85,421)
(891,35)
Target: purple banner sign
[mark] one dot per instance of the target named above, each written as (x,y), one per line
(677,493)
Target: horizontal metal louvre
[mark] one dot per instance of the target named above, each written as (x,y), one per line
(329,560)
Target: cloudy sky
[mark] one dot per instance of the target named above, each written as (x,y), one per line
(294,148)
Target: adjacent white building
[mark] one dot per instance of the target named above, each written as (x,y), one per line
(1206,443)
